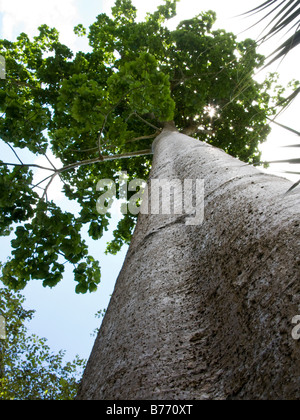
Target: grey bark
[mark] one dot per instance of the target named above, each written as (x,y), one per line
(205,312)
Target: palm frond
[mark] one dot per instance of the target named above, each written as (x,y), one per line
(296,183)
(293,187)
(288,13)
(291,161)
(292,130)
(263,6)
(286,47)
(287,101)
(294,161)
(287,16)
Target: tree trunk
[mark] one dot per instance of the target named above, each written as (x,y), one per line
(205,312)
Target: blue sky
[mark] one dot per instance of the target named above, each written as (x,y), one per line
(64,318)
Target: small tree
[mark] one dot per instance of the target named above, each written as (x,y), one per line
(28,368)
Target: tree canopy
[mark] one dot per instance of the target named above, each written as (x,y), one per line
(99,111)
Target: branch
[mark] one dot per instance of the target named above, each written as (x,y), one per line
(152,136)
(194,129)
(105,159)
(58,172)
(15,153)
(110,111)
(49,161)
(41,182)
(95,149)
(26,165)
(100,134)
(48,185)
(129,155)
(146,122)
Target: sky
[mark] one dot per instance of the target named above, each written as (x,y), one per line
(64,318)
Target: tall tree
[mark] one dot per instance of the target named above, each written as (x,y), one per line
(102,111)
(93,109)
(205,311)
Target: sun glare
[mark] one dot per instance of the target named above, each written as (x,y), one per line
(211,111)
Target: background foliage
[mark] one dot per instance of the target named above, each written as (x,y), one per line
(28,369)
(93,109)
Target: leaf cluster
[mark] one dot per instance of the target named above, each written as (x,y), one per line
(17,199)
(37,249)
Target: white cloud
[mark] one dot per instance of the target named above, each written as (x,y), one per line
(55,189)
(26,16)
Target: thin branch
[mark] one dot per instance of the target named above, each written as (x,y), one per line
(105,159)
(129,155)
(194,129)
(48,186)
(50,161)
(41,182)
(62,180)
(110,111)
(100,134)
(58,172)
(40,188)
(15,153)
(152,136)
(146,122)
(26,165)
(94,149)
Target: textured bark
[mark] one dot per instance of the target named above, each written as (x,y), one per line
(205,312)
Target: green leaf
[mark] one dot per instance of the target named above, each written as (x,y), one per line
(81,289)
